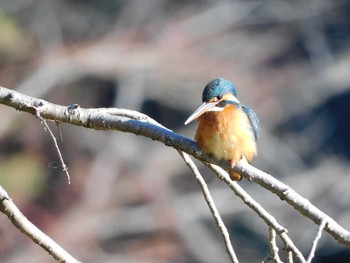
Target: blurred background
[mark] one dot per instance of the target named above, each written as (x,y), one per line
(134,200)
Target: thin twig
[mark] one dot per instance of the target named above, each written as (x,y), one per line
(212,206)
(301,204)
(316,240)
(289,256)
(63,164)
(24,225)
(258,209)
(273,246)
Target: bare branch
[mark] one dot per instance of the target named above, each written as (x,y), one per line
(273,246)
(63,164)
(102,119)
(315,242)
(298,202)
(259,210)
(23,224)
(212,206)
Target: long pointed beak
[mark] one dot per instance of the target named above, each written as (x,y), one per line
(206,106)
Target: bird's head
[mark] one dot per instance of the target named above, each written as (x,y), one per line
(217,94)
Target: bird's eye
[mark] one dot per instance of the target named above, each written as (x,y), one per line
(219,97)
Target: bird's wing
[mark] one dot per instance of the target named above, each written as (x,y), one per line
(253,119)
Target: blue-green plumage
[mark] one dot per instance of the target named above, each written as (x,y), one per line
(227,129)
(254,121)
(218,87)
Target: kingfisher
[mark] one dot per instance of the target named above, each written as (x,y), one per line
(227,129)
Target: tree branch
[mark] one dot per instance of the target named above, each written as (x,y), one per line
(22,223)
(212,206)
(315,242)
(273,246)
(136,123)
(298,202)
(259,210)
(47,128)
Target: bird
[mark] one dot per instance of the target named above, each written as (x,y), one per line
(227,129)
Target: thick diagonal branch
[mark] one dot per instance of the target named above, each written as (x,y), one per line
(116,119)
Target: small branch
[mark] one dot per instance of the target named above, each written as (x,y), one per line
(259,210)
(298,202)
(212,206)
(63,164)
(23,224)
(273,246)
(103,119)
(316,240)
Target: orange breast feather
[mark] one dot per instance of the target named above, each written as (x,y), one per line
(226,134)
